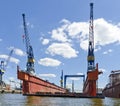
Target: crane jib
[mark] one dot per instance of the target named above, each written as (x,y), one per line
(29,50)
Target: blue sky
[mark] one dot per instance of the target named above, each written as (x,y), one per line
(58,31)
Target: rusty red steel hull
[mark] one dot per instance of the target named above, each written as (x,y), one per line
(33,84)
(89,88)
(113,91)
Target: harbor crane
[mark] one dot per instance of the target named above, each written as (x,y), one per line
(3,66)
(29,49)
(61,81)
(90,85)
(91,57)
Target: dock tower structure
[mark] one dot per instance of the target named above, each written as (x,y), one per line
(90,85)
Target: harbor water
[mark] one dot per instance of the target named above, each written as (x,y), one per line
(20,100)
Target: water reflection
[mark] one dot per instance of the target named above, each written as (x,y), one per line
(111,102)
(42,101)
(97,102)
(117,102)
(33,101)
(20,100)
(51,101)
(12,100)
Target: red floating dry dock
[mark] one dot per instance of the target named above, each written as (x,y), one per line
(33,84)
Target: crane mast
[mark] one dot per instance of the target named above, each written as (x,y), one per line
(3,66)
(29,49)
(91,65)
(90,85)
(61,81)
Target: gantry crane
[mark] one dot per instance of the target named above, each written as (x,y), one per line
(90,85)
(29,50)
(4,65)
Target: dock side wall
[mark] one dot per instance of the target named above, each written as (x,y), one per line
(33,84)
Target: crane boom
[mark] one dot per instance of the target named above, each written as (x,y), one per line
(8,59)
(27,40)
(29,49)
(3,66)
(91,57)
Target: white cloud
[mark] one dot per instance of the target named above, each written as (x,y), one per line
(47,75)
(65,21)
(80,74)
(45,41)
(62,49)
(102,70)
(49,62)
(108,51)
(59,35)
(12,59)
(105,33)
(4,56)
(75,79)
(84,45)
(77,28)
(19,52)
